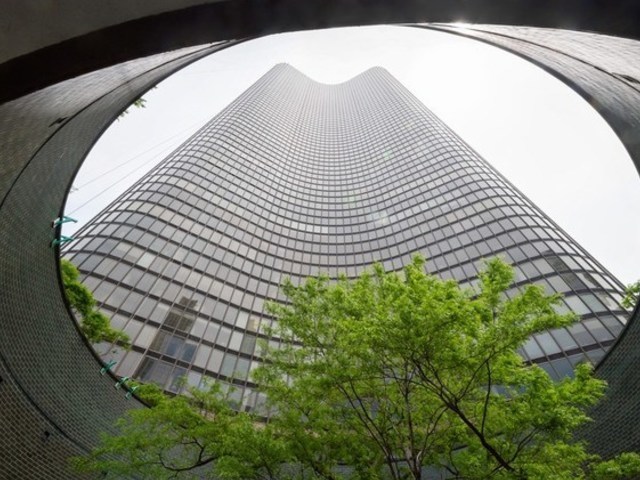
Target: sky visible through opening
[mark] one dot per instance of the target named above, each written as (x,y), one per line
(543,137)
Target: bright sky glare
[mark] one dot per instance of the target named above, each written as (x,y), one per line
(541,135)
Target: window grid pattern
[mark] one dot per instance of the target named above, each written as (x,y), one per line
(295,178)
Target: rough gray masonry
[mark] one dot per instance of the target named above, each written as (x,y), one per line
(60,92)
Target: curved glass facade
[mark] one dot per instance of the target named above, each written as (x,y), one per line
(295,178)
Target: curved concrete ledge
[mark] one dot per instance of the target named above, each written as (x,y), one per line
(60,91)
(43,45)
(54,400)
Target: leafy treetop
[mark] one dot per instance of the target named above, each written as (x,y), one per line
(94,324)
(386,377)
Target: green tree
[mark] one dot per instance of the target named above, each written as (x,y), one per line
(193,436)
(140,102)
(410,368)
(631,293)
(388,377)
(94,324)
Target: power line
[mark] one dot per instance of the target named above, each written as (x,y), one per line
(128,160)
(154,158)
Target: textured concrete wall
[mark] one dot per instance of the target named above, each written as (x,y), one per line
(615,425)
(54,402)
(41,42)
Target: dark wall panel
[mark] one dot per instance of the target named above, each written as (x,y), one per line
(50,379)
(131,29)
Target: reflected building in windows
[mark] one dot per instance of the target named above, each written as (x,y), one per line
(295,178)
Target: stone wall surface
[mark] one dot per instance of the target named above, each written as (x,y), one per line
(54,401)
(59,91)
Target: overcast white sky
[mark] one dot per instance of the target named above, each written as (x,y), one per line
(540,134)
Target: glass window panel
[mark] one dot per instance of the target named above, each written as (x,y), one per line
(564,339)
(576,305)
(613,324)
(117,297)
(188,351)
(202,356)
(215,361)
(145,282)
(119,272)
(223,336)
(219,311)
(588,279)
(146,367)
(103,290)
(597,330)
(529,270)
(133,254)
(198,327)
(563,367)
(577,359)
(242,368)
(145,336)
(146,307)
(593,303)
(573,280)
(582,336)
(549,369)
(159,342)
(242,318)
(160,373)
(228,365)
(558,284)
(119,321)
(543,266)
(595,355)
(173,346)
(159,287)
(154,371)
(212,332)
(193,379)
(179,318)
(145,259)
(132,328)
(129,364)
(549,346)
(131,303)
(532,349)
(248,344)
(159,313)
(235,341)
(177,380)
(520,351)
(89,264)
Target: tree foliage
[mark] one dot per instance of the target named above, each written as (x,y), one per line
(139,102)
(388,376)
(194,436)
(631,294)
(94,324)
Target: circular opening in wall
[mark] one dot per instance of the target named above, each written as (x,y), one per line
(541,135)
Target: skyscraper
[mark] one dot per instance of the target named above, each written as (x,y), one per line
(295,178)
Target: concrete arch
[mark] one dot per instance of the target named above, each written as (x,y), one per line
(61,85)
